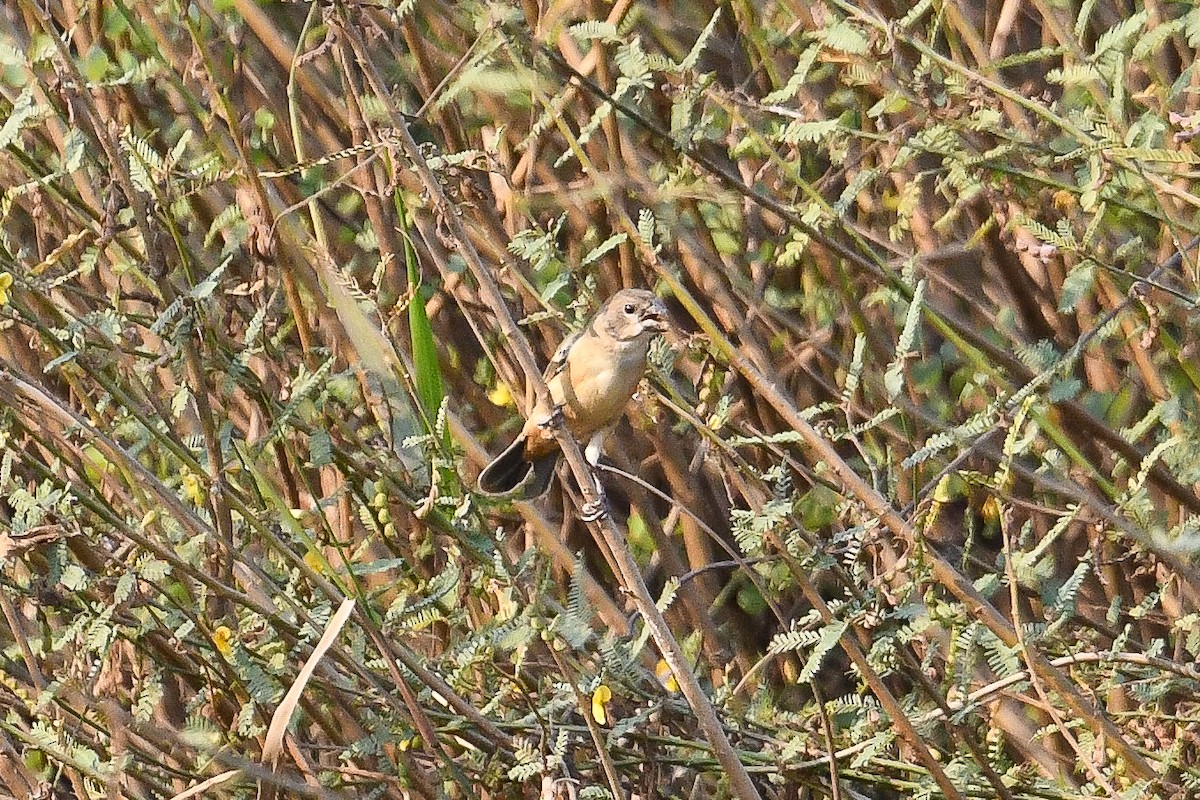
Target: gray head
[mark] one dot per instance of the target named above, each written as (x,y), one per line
(633,314)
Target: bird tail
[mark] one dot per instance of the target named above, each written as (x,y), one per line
(511,474)
(543,471)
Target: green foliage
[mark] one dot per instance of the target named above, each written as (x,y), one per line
(247,350)
(426,369)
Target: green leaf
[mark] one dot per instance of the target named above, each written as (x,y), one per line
(74,578)
(611,243)
(74,149)
(320,448)
(1119,35)
(24,109)
(893,378)
(95,64)
(854,374)
(812,132)
(893,102)
(205,288)
(804,63)
(845,38)
(428,373)
(1148,44)
(1083,18)
(1066,389)
(594,29)
(1074,75)
(1191,26)
(646,225)
(750,600)
(830,635)
(1077,285)
(689,61)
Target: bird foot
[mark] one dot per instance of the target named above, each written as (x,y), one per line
(595,510)
(555,417)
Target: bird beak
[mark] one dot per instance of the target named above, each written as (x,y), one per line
(655,319)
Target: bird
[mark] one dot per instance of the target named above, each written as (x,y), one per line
(591,377)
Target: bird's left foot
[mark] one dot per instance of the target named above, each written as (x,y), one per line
(595,510)
(598,508)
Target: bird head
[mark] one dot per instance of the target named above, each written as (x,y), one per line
(634,314)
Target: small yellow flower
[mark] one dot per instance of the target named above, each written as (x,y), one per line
(6,281)
(667,678)
(501,396)
(315,561)
(600,699)
(193,489)
(991,509)
(223,638)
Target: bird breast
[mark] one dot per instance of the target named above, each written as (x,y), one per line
(594,393)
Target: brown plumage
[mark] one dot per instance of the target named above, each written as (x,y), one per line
(591,378)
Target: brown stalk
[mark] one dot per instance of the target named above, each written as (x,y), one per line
(706,715)
(878,506)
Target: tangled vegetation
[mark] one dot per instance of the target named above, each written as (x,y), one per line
(907,506)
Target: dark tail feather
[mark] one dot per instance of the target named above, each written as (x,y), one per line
(507,470)
(512,475)
(543,472)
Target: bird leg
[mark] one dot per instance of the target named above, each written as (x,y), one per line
(598,508)
(553,419)
(591,453)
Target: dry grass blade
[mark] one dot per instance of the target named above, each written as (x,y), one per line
(199,789)
(273,743)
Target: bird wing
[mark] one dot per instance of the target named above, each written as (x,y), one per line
(559,360)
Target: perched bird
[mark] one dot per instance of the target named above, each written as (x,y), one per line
(591,378)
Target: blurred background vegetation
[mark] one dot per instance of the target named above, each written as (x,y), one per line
(914,480)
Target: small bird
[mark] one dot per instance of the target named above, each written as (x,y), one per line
(591,378)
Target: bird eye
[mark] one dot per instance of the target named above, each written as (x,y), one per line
(629,308)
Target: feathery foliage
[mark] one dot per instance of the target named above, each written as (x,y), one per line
(913,480)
